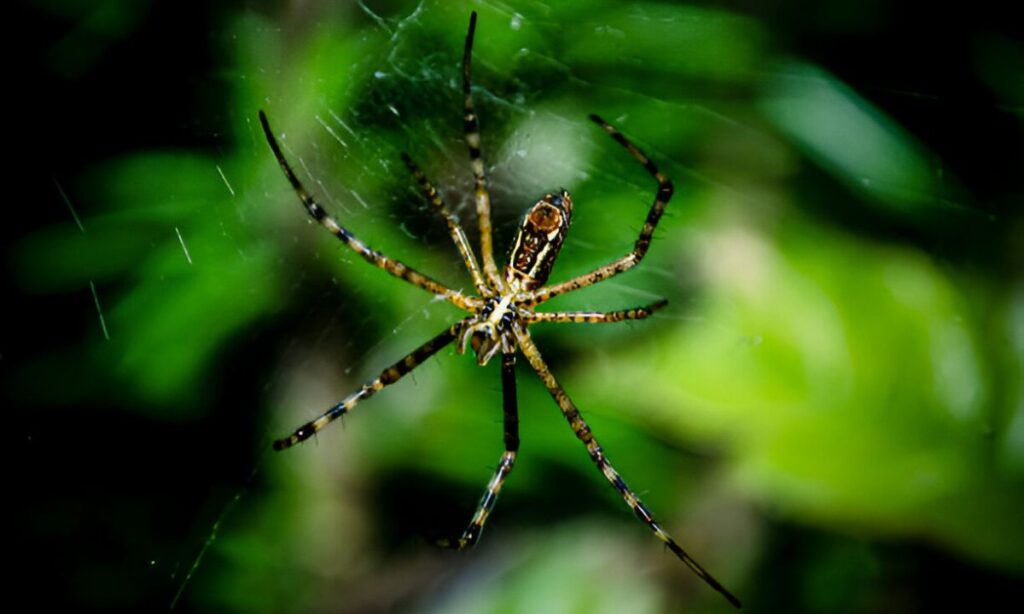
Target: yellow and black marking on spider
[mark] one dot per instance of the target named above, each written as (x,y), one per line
(504,308)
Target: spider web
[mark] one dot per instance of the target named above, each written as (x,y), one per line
(407,97)
(223,315)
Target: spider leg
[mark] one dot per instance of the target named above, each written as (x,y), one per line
(511,409)
(392,266)
(584,434)
(594,317)
(387,377)
(643,242)
(471,126)
(454,229)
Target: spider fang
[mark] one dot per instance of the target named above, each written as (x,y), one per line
(488,331)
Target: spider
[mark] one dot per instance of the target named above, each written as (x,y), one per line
(504,307)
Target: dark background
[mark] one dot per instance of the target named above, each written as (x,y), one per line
(116,488)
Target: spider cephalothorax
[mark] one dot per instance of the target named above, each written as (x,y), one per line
(491,329)
(530,259)
(504,307)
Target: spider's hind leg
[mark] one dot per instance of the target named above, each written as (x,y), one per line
(454,229)
(595,317)
(379,260)
(482,196)
(511,410)
(643,242)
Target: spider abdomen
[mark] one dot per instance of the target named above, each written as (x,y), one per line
(538,241)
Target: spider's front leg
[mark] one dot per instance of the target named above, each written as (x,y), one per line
(511,410)
(387,377)
(584,434)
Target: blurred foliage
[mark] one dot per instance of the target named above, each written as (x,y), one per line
(843,353)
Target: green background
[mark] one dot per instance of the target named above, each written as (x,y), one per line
(829,415)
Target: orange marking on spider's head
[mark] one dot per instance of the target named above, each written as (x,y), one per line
(544,217)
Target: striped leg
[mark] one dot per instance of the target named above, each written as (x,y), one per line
(471,126)
(583,433)
(643,242)
(376,258)
(458,235)
(511,406)
(595,317)
(387,377)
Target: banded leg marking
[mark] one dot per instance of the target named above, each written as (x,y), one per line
(584,434)
(392,266)
(643,242)
(595,317)
(387,377)
(471,126)
(454,228)
(490,497)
